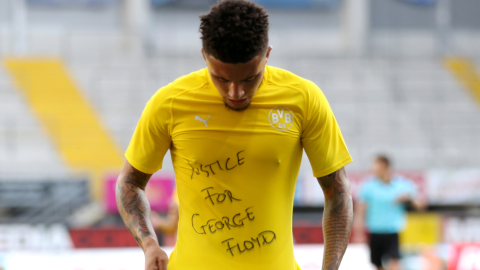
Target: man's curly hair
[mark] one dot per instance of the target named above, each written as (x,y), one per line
(235,31)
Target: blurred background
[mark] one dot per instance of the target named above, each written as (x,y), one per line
(401,76)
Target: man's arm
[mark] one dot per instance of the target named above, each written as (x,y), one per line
(359,222)
(419,203)
(133,204)
(337,217)
(168,224)
(135,211)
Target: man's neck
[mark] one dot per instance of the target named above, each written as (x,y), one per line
(386,178)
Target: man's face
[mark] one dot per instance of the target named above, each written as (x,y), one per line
(237,83)
(379,168)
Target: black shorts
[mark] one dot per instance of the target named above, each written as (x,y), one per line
(383,246)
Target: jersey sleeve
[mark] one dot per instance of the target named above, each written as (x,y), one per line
(411,188)
(321,137)
(151,138)
(363,193)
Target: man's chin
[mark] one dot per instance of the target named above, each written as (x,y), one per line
(237,109)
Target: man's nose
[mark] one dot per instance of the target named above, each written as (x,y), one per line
(235,91)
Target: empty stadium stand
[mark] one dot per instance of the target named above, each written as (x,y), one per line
(26,151)
(408,104)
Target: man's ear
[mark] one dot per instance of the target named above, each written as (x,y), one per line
(203,54)
(269,49)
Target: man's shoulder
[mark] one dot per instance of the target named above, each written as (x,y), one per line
(187,82)
(287,79)
(369,182)
(403,181)
(164,95)
(366,187)
(192,81)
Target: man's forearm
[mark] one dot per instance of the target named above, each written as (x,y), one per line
(359,222)
(337,217)
(134,207)
(167,225)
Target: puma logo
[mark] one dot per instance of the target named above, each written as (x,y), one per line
(198,118)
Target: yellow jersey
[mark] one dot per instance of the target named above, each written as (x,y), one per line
(236,171)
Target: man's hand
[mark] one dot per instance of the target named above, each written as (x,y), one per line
(404,198)
(419,203)
(155,257)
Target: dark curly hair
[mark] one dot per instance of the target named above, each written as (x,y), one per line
(383,159)
(235,31)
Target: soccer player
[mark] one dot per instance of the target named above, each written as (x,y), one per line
(236,131)
(381,206)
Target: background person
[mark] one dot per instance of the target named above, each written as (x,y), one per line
(381,209)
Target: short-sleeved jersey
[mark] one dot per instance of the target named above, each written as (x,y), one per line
(383,213)
(236,170)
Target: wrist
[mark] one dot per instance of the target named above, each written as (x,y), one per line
(150,242)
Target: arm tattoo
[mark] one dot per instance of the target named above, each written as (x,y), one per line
(337,217)
(133,204)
